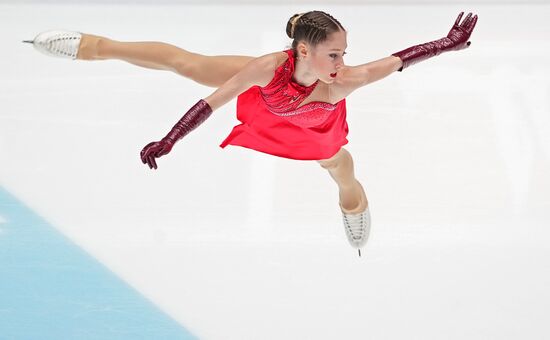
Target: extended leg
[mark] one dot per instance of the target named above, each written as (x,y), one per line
(352,194)
(210,71)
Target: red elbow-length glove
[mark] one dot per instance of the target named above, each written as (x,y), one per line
(457,39)
(193,118)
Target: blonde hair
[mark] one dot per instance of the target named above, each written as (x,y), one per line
(293,24)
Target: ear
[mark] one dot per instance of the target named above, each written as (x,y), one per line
(302,50)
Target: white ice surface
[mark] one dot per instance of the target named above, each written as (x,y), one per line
(454,154)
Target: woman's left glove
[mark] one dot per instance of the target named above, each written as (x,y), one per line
(457,39)
(193,118)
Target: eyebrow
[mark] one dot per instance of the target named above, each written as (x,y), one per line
(335,49)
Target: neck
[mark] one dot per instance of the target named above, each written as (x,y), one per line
(302,73)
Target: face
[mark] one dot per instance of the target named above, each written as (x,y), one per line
(328,57)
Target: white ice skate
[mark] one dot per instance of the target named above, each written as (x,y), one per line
(357,228)
(62,44)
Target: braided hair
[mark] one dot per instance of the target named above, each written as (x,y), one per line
(313,27)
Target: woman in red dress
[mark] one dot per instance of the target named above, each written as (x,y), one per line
(290,103)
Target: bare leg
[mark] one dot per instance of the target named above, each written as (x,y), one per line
(210,71)
(352,194)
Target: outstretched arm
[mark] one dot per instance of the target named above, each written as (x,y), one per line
(457,39)
(259,71)
(364,74)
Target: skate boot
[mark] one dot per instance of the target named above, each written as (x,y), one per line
(62,44)
(357,228)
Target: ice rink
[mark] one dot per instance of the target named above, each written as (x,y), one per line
(453,153)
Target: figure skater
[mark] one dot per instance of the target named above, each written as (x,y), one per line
(290,103)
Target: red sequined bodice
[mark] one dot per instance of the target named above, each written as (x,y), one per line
(283,95)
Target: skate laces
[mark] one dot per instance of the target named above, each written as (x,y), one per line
(356,224)
(64,44)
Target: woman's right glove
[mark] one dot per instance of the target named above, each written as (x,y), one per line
(457,39)
(193,118)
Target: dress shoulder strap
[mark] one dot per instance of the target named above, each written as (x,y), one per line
(282,71)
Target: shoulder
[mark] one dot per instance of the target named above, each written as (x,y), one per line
(265,66)
(272,61)
(281,57)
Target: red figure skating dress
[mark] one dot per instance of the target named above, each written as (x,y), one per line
(273,123)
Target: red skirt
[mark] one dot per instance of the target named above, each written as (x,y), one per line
(264,131)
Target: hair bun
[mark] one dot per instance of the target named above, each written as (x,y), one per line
(290,25)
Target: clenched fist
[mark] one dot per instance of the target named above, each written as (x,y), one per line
(155,150)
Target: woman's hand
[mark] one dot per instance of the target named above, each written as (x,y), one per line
(196,115)
(457,39)
(460,32)
(155,150)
